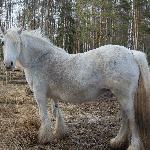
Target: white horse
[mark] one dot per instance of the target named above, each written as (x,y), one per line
(77,78)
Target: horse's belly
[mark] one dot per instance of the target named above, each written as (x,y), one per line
(80,96)
(78,100)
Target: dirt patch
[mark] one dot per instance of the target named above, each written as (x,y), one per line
(91,126)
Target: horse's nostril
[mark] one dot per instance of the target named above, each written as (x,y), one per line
(11,63)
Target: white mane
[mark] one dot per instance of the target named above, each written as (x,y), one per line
(38,37)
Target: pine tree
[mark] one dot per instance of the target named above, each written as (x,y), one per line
(66,26)
(81,25)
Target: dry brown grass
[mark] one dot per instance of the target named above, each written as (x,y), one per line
(91,126)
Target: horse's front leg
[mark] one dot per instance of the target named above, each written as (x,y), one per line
(45,131)
(60,127)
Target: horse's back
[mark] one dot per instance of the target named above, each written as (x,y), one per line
(113,59)
(118,67)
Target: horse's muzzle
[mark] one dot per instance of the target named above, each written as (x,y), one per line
(9,66)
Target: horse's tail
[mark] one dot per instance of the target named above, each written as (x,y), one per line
(142,99)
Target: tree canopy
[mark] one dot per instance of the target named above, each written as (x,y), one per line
(81,25)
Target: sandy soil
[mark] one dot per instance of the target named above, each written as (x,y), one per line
(91,126)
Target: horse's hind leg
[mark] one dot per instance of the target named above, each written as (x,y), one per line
(60,127)
(127,104)
(45,131)
(121,140)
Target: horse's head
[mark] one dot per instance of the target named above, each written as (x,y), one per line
(11,46)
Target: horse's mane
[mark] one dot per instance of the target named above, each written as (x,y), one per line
(37,35)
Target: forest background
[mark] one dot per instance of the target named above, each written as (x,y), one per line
(82,25)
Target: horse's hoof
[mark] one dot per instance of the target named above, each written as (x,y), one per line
(45,135)
(132,148)
(135,147)
(63,133)
(116,143)
(44,139)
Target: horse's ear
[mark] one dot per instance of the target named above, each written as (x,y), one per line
(20,30)
(3,30)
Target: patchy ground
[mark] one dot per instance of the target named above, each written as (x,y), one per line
(91,126)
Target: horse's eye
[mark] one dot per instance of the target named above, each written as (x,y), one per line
(2,43)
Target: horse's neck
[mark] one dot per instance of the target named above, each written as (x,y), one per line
(39,44)
(35,49)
